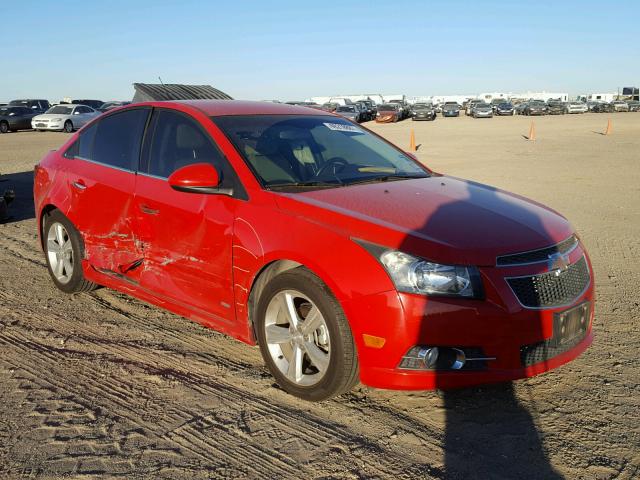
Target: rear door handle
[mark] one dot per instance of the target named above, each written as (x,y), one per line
(148,210)
(79,185)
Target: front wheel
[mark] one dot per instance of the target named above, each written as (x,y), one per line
(4,127)
(63,251)
(68,126)
(305,338)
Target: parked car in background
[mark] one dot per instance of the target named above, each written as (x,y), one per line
(504,108)
(37,106)
(482,110)
(591,105)
(351,112)
(634,106)
(95,104)
(602,107)
(366,112)
(403,108)
(388,112)
(64,118)
(576,107)
(15,118)
(338,255)
(536,107)
(497,101)
(450,109)
(4,104)
(371,107)
(423,111)
(109,105)
(519,108)
(554,107)
(470,104)
(620,106)
(329,107)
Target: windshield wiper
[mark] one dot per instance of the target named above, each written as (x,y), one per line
(386,178)
(302,184)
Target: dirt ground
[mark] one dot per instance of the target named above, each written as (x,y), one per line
(103,386)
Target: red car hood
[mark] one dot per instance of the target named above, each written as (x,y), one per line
(441,218)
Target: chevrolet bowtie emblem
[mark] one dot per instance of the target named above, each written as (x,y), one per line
(558,262)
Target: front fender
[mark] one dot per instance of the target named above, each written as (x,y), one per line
(263,235)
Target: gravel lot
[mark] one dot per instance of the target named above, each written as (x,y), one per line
(101,385)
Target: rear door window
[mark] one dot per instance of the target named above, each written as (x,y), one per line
(118,137)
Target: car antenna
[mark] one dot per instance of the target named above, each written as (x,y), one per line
(164,88)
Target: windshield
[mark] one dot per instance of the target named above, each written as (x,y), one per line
(60,110)
(387,108)
(293,151)
(419,106)
(483,105)
(346,109)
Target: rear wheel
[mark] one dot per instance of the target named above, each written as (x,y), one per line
(4,127)
(68,126)
(305,338)
(63,251)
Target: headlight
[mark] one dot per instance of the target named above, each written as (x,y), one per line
(415,275)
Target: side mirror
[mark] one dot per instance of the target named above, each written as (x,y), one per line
(198,178)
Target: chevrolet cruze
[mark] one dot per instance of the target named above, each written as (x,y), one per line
(340,255)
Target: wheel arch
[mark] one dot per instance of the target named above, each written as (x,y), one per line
(264,275)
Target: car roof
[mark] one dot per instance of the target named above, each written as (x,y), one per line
(242,107)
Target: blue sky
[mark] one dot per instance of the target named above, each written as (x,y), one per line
(290,50)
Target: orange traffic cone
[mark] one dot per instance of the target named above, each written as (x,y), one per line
(609,128)
(532,132)
(412,142)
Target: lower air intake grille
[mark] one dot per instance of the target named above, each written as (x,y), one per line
(552,289)
(543,351)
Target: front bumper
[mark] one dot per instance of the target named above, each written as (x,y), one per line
(504,112)
(47,126)
(483,114)
(498,326)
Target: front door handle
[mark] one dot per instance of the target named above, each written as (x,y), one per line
(148,210)
(79,185)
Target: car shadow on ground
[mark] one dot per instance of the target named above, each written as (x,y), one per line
(489,433)
(22,207)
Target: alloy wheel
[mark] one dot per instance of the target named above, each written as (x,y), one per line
(60,252)
(297,338)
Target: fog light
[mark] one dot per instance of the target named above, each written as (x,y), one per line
(423,357)
(420,358)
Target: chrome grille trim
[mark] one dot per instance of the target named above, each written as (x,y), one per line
(539,255)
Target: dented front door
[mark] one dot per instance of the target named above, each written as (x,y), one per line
(186,242)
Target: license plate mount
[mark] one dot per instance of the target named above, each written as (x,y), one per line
(571,324)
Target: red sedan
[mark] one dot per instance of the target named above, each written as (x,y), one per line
(344,258)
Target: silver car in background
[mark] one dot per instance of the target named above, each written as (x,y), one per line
(482,110)
(577,107)
(64,118)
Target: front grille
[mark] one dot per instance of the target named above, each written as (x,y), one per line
(543,351)
(552,289)
(540,255)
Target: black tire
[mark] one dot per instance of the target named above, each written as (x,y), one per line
(77,283)
(342,372)
(4,127)
(68,126)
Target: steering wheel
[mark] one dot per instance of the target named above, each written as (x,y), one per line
(335,161)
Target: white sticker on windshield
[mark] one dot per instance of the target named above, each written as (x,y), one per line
(340,127)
